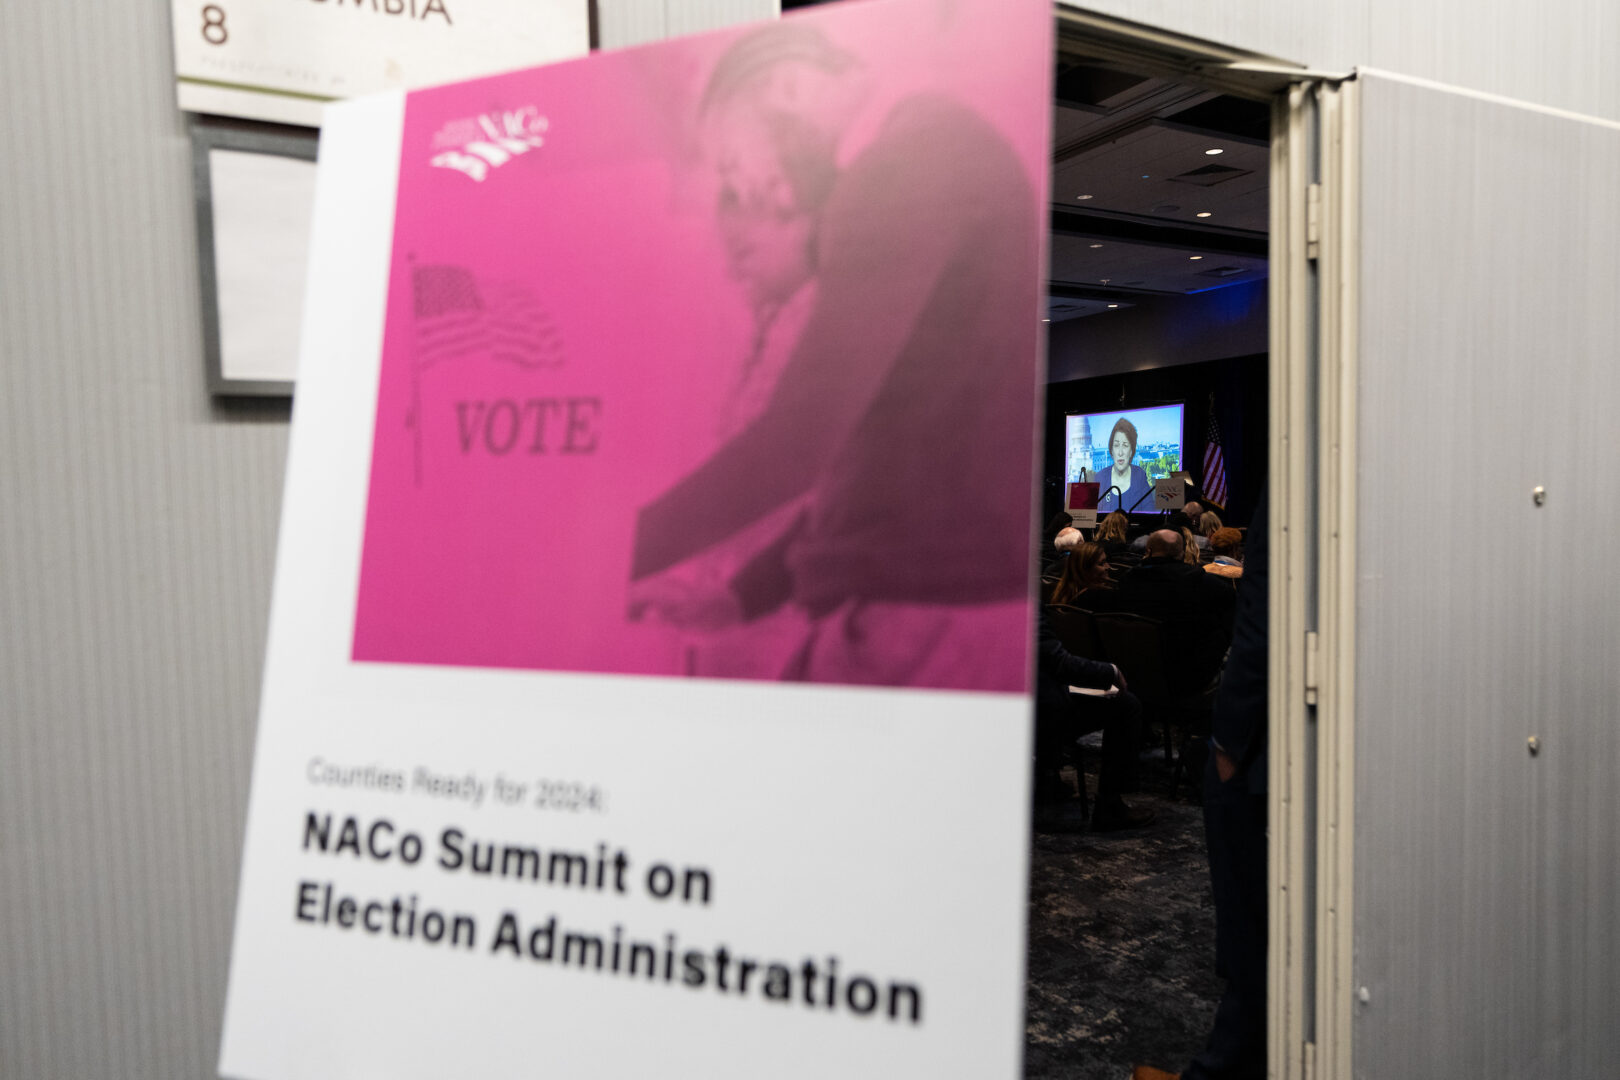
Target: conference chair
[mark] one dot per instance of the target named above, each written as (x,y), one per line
(1077,630)
(1135,644)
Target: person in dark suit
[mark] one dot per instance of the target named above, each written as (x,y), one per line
(1061,717)
(1195,608)
(1235,827)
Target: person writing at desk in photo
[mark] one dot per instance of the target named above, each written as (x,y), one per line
(1131,479)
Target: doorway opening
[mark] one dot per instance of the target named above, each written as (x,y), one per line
(1160,393)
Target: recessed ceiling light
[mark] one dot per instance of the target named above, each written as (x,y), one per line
(1096,245)
(1082,197)
(1113,305)
(1214,151)
(1046,320)
(1203,213)
(1195,258)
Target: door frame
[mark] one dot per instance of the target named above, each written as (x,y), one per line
(1312,518)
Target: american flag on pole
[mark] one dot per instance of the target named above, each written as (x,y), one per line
(1214,463)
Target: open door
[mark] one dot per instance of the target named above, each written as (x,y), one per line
(1465,701)
(1305,276)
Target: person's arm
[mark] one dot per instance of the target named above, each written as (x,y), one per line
(1061,665)
(1238,728)
(891,228)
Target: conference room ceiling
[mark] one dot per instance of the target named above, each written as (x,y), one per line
(1141,205)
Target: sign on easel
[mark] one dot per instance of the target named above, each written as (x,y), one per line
(598,642)
(1080,503)
(1169,493)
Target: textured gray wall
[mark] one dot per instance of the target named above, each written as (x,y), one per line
(1563,53)
(136,541)
(1486,879)
(135,548)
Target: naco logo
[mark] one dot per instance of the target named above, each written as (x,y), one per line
(481,143)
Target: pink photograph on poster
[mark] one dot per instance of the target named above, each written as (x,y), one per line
(681,339)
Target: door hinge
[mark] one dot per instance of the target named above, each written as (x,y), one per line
(1312,650)
(1313,221)
(1308,1061)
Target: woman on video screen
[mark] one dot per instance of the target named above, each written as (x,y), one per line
(1130,478)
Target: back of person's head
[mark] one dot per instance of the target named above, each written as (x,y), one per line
(1189,549)
(752,58)
(1067,539)
(1208,522)
(1226,541)
(1164,544)
(1085,568)
(1059,522)
(1115,526)
(789,68)
(1178,521)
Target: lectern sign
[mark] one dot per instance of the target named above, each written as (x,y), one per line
(283,60)
(607,698)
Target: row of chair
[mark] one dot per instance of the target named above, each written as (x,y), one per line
(1135,644)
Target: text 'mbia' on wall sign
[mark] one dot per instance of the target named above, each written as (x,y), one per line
(607,705)
(284,60)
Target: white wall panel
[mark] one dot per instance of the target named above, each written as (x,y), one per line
(631,22)
(1485,877)
(1563,53)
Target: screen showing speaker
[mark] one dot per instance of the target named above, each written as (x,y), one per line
(1124,451)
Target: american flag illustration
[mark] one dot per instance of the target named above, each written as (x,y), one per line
(1214,464)
(501,320)
(458,318)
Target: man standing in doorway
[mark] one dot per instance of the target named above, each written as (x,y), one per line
(1235,826)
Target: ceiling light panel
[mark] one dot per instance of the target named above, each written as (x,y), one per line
(1146,267)
(1112,171)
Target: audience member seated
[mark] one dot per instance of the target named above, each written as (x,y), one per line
(1195,608)
(1177,521)
(1227,548)
(1085,572)
(1208,522)
(1047,554)
(1191,553)
(1062,717)
(1114,534)
(1194,509)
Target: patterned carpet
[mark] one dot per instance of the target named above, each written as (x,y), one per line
(1121,945)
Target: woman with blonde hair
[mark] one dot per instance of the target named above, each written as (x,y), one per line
(1208,522)
(1114,532)
(1191,553)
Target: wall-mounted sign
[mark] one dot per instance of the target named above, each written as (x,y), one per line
(612,725)
(255,192)
(283,60)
